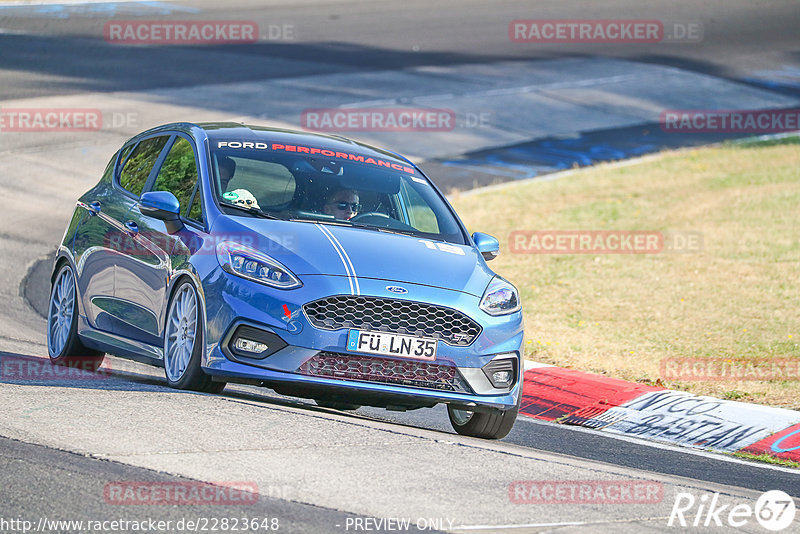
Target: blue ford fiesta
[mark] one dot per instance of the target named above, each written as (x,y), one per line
(311,264)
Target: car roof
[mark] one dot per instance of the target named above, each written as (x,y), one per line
(248,132)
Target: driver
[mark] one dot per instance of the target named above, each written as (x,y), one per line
(342,204)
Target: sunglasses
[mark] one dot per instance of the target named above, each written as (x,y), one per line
(247,201)
(354,206)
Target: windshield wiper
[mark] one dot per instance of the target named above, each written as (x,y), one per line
(338,222)
(252,210)
(319,221)
(384,229)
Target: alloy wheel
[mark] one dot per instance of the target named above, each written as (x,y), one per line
(61,311)
(181,333)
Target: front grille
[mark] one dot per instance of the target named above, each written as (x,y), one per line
(392,315)
(384,371)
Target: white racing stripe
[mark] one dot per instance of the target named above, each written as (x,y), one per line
(348,265)
(347,258)
(344,263)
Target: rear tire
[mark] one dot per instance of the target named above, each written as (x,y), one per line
(494,424)
(183,343)
(63,344)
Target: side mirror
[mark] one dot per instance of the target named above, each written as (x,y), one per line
(164,206)
(488,246)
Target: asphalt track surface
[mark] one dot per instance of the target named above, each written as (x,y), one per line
(56,55)
(63,441)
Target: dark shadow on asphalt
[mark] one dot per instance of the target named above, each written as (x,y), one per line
(527,433)
(87,64)
(84,64)
(29,370)
(78,488)
(537,158)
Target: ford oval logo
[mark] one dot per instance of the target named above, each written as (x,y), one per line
(397,289)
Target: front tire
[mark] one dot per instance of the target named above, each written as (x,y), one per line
(493,424)
(183,343)
(63,345)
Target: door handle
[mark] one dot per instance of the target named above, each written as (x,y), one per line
(132,228)
(94,207)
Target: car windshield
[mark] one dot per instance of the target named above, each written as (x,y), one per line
(323,186)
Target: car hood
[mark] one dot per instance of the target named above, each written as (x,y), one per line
(323,249)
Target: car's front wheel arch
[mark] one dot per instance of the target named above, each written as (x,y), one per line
(491,423)
(63,343)
(192,376)
(60,262)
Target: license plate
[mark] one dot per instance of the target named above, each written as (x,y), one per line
(420,348)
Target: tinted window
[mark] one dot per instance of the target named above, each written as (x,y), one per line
(124,153)
(110,167)
(372,192)
(271,183)
(420,214)
(196,209)
(178,174)
(134,176)
(140,163)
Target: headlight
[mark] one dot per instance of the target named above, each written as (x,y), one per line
(254,265)
(500,298)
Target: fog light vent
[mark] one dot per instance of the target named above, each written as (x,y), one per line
(502,377)
(502,372)
(248,345)
(253,343)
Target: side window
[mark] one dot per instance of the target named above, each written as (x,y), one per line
(140,163)
(178,175)
(196,209)
(420,215)
(110,167)
(124,154)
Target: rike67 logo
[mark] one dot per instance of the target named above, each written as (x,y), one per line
(774,510)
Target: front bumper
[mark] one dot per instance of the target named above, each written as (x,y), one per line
(294,368)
